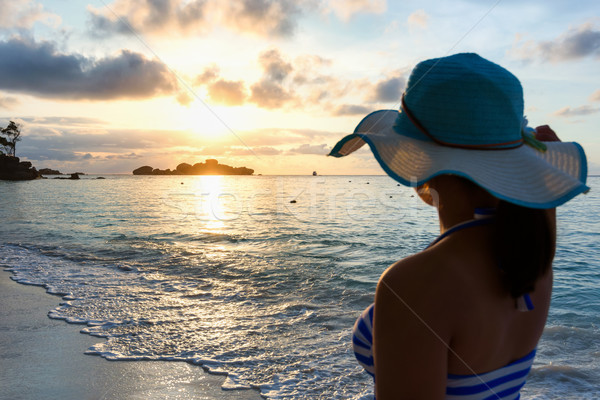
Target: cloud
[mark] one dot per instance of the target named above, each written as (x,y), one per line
(39,69)
(8,102)
(266,17)
(244,151)
(310,149)
(209,74)
(267,94)
(24,14)
(345,9)
(62,121)
(576,43)
(577,111)
(270,92)
(275,68)
(184,98)
(351,109)
(595,96)
(418,19)
(262,17)
(129,156)
(231,93)
(302,83)
(51,154)
(151,16)
(388,90)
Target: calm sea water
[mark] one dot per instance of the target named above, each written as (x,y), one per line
(226,273)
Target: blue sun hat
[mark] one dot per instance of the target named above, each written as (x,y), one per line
(463,115)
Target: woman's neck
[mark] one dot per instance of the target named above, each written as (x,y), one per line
(457,201)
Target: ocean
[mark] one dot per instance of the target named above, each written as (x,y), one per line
(230,274)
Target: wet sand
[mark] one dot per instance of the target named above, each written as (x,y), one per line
(41,358)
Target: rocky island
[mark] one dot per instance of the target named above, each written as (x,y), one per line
(210,167)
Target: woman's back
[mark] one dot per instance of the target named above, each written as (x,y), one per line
(458,318)
(488,329)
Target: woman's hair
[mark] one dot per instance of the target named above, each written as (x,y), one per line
(524,242)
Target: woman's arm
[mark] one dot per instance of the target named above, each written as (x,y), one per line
(411,333)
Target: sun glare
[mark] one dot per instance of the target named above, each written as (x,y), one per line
(216,122)
(214,205)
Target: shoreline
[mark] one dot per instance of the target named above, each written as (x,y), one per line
(44,358)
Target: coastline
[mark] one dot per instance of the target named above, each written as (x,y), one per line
(44,358)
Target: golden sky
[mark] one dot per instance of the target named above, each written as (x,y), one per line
(108,86)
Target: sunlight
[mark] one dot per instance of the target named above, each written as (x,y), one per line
(213,123)
(214,205)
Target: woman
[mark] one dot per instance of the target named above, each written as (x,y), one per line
(462,318)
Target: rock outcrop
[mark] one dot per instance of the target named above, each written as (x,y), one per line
(13,169)
(48,171)
(210,167)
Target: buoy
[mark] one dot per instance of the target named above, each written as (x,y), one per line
(293,201)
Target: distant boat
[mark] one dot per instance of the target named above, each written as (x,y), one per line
(314,173)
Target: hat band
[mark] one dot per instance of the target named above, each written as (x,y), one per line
(488,146)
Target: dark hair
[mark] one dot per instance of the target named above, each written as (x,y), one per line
(524,242)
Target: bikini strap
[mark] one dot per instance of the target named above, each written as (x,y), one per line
(484,216)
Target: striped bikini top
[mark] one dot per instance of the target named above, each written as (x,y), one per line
(501,384)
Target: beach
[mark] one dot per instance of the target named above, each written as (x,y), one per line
(42,358)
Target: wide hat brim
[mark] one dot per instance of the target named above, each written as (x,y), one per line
(524,176)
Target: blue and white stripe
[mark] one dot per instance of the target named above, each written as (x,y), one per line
(362,340)
(501,384)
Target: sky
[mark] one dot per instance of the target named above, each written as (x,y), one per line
(111,85)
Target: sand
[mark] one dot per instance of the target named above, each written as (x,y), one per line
(41,358)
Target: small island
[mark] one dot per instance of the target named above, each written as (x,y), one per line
(210,167)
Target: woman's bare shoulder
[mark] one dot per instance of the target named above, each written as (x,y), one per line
(430,268)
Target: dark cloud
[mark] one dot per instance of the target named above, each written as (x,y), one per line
(388,90)
(576,111)
(351,109)
(576,43)
(76,139)
(39,69)
(266,17)
(129,156)
(150,16)
(263,17)
(270,91)
(232,93)
(50,154)
(64,121)
(275,68)
(310,149)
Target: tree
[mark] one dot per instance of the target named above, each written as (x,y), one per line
(12,135)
